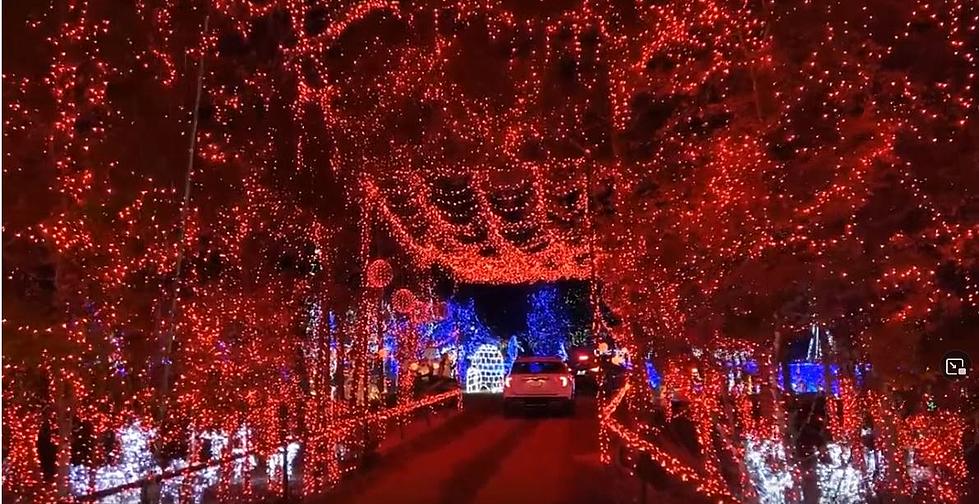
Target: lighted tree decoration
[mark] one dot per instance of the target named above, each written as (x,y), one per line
(410,309)
(548,322)
(463,328)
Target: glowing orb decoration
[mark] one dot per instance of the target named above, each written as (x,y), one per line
(379,274)
(419,313)
(486,370)
(403,301)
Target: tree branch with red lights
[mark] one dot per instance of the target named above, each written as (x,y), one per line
(729,175)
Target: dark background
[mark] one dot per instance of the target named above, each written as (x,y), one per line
(504,308)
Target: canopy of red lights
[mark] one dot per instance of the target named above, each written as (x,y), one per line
(184,180)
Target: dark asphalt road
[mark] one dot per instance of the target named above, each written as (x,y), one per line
(480,457)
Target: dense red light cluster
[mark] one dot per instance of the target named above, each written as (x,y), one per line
(715,168)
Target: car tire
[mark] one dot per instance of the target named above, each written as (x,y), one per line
(508,409)
(569,408)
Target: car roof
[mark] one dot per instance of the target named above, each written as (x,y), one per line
(539,359)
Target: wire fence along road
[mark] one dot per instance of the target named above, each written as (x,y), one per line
(147,489)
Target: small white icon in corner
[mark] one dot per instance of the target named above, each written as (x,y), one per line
(955,367)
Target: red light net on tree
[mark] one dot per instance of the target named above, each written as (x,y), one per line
(735,169)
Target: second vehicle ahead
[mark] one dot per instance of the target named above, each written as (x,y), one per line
(538,381)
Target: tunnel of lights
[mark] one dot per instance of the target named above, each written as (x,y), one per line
(228,225)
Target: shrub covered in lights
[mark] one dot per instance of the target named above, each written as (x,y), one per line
(463,328)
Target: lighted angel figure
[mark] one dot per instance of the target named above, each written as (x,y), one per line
(513,349)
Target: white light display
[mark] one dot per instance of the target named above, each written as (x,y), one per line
(133,462)
(840,481)
(765,460)
(486,370)
(201,480)
(275,460)
(241,465)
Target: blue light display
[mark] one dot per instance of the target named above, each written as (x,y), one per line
(463,327)
(391,345)
(809,377)
(652,375)
(512,351)
(548,322)
(806,377)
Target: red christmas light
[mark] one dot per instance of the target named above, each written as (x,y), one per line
(714,167)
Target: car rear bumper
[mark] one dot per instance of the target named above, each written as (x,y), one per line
(511,393)
(537,400)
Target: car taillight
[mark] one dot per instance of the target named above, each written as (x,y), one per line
(583,357)
(564,381)
(506,382)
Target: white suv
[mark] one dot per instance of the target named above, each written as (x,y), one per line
(538,381)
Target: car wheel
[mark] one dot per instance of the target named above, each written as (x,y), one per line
(569,408)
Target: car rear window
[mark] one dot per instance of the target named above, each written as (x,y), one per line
(542,367)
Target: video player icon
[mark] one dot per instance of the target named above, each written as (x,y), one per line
(957,365)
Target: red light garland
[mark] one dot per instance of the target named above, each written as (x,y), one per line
(718,167)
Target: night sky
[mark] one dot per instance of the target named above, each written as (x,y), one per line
(504,307)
